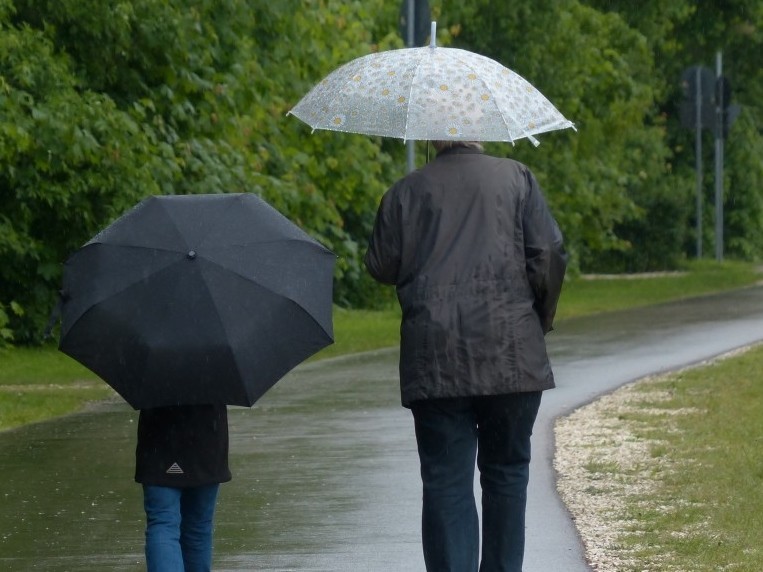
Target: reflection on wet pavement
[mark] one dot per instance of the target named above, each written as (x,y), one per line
(68,500)
(315,463)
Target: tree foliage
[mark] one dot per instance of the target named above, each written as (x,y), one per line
(103,102)
(682,34)
(70,160)
(604,180)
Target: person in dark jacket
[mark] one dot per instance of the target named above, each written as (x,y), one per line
(181,459)
(478,263)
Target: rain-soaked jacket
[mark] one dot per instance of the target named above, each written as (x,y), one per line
(478,262)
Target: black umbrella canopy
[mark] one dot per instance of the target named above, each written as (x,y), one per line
(191,299)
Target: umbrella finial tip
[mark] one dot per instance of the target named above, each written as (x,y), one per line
(433,35)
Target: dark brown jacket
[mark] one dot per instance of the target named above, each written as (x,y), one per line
(478,262)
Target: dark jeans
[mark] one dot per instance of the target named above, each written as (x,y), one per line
(450,433)
(179,528)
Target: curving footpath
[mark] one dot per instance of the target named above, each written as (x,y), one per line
(325,466)
(595,355)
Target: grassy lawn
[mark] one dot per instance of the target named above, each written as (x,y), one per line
(710,460)
(672,464)
(41,383)
(604,294)
(362,330)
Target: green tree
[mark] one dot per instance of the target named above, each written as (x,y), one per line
(328,182)
(743,185)
(103,102)
(599,72)
(69,159)
(682,34)
(106,102)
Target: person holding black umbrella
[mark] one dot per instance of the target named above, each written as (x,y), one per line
(478,262)
(181,459)
(182,302)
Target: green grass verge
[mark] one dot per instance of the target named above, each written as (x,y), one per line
(362,330)
(20,405)
(41,383)
(589,296)
(24,370)
(695,500)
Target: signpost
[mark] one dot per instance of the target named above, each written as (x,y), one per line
(726,113)
(707,106)
(414,27)
(719,89)
(697,112)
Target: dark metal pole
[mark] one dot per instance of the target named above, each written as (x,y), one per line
(719,161)
(698,149)
(411,151)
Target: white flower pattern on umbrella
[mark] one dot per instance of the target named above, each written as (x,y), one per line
(430,93)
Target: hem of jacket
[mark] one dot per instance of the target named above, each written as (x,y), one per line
(407,402)
(187,484)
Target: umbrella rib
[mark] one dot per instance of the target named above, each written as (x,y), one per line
(312,318)
(266,288)
(239,274)
(213,299)
(233,354)
(351,65)
(128,284)
(500,111)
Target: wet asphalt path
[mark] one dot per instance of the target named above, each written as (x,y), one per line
(325,467)
(595,355)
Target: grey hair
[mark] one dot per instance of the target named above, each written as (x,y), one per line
(442,145)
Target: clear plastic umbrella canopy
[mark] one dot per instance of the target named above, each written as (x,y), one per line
(430,93)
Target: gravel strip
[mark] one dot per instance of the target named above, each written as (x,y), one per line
(602,467)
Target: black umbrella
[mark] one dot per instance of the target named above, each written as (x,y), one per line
(191,299)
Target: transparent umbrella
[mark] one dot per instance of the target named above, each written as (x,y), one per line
(430,93)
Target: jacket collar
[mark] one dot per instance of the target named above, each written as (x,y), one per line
(459,151)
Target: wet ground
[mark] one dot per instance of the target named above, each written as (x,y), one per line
(325,467)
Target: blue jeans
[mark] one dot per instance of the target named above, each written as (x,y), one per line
(179,528)
(450,433)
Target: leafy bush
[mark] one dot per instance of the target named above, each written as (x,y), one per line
(103,102)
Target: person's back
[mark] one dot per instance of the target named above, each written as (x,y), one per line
(476,287)
(478,262)
(465,210)
(182,446)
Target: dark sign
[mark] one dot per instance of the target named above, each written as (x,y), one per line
(421,21)
(698,80)
(712,96)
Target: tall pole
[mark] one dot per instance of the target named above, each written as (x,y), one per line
(719,160)
(698,149)
(411,151)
